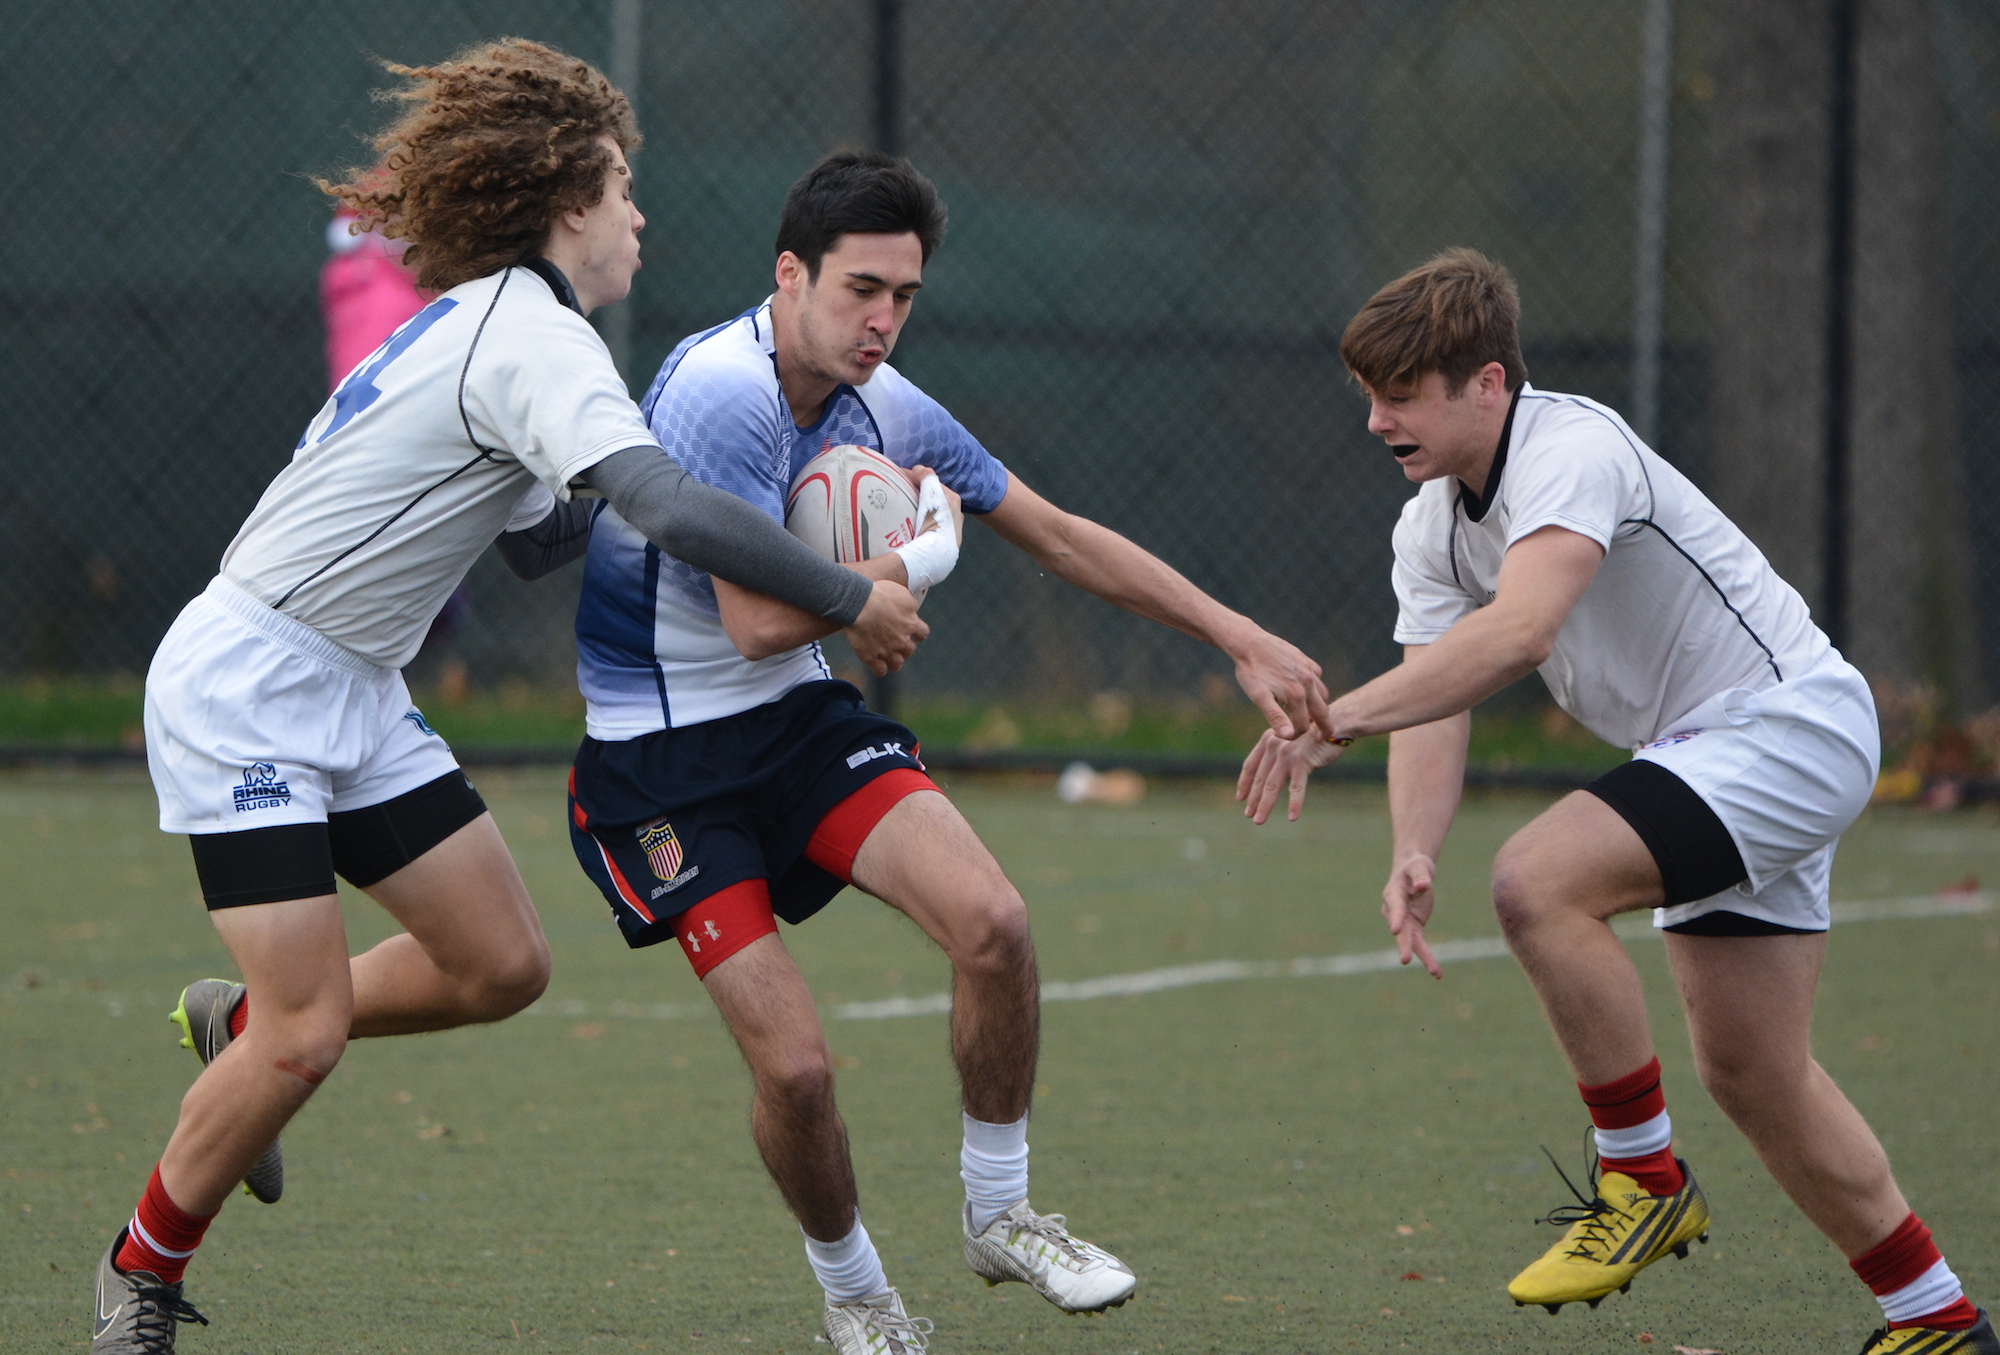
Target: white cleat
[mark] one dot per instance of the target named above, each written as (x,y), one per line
(876,1326)
(1037,1249)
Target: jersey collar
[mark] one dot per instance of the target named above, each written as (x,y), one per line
(1477,506)
(558,284)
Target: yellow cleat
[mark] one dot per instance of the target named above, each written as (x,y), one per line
(1975,1340)
(1610,1239)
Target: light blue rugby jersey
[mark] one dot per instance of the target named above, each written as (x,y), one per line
(651,651)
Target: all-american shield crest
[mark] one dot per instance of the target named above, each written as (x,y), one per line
(662,848)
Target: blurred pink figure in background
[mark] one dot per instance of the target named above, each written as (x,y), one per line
(365,292)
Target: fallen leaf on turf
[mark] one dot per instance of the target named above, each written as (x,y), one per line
(1405,1230)
(436,1131)
(1413,1275)
(589,1030)
(1234,1298)
(1695,1350)
(402,1098)
(1645,1338)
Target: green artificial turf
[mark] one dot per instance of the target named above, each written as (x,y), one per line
(1290,1164)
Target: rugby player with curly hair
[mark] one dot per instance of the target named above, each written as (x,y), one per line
(279,731)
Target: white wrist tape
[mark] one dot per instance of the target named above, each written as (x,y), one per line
(930,559)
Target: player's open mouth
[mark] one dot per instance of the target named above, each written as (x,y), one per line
(1406,451)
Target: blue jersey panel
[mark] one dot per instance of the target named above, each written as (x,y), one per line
(614,617)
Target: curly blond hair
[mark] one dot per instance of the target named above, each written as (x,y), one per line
(493,146)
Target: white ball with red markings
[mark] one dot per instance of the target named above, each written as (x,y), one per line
(852,504)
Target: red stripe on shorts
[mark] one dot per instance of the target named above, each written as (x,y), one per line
(848,824)
(625,890)
(723,923)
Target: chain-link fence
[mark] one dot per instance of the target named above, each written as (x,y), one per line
(1162,216)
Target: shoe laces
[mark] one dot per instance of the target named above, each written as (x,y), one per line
(161,1307)
(897,1328)
(1593,1211)
(1054,1229)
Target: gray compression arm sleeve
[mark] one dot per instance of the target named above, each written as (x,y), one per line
(717,532)
(550,544)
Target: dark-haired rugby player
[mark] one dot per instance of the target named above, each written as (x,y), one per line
(726,779)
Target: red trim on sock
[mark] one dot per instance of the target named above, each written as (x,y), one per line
(1899,1259)
(848,824)
(1627,1101)
(1957,1316)
(167,1224)
(239,1018)
(723,923)
(1657,1173)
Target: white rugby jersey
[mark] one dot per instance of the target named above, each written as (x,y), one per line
(469,420)
(651,650)
(1683,607)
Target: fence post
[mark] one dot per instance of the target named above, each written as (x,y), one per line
(1650,252)
(1839,325)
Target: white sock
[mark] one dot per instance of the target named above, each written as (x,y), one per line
(1934,1289)
(1639,1140)
(994,1166)
(848,1270)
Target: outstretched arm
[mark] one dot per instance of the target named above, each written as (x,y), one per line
(1282,682)
(1543,576)
(1541,579)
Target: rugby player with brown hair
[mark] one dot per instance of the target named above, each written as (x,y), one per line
(279,731)
(1545,536)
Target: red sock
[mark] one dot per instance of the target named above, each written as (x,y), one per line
(162,1235)
(1907,1274)
(239,1018)
(1634,1135)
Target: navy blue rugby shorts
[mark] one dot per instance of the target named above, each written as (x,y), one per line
(783,793)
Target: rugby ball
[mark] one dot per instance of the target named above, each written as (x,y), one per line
(852,504)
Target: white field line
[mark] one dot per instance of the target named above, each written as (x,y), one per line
(1232,971)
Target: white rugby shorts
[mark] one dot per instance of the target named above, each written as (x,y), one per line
(1787,770)
(254,719)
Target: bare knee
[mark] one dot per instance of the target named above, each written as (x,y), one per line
(510,982)
(1745,1086)
(991,935)
(306,1042)
(799,1083)
(1520,899)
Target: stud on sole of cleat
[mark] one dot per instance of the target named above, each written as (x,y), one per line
(1625,1288)
(1553,1308)
(1594,1302)
(1680,1251)
(179,1017)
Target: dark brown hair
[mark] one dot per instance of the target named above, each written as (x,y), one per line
(493,145)
(858,193)
(1452,315)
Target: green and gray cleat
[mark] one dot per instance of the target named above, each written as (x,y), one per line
(876,1326)
(1040,1250)
(203,1016)
(136,1314)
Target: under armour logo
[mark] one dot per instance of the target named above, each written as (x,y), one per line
(694,940)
